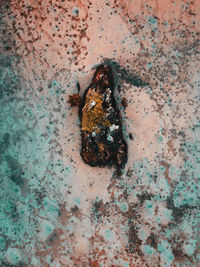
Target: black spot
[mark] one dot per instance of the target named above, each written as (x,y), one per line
(131,136)
(74,209)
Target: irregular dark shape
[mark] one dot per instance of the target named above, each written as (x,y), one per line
(101,127)
(178,254)
(74,100)
(131,136)
(144,196)
(152,240)
(134,241)
(132,79)
(124,102)
(178,212)
(125,74)
(75,209)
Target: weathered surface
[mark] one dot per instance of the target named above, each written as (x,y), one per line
(101,126)
(55,210)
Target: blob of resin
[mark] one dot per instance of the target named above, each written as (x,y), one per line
(101,125)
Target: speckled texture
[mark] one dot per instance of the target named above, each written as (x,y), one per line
(55,210)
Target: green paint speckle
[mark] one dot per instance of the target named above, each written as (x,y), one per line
(108,235)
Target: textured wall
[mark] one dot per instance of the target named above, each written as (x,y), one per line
(54,209)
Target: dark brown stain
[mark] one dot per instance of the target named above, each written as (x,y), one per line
(124,102)
(102,137)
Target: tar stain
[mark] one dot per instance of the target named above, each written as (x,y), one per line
(101,124)
(125,74)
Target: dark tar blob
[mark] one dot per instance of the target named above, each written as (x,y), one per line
(101,125)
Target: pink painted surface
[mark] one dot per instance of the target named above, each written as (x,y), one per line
(62,41)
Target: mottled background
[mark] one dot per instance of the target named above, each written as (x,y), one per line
(54,209)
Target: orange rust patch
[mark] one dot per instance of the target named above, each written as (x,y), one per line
(94,115)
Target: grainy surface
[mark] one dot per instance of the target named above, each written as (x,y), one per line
(55,210)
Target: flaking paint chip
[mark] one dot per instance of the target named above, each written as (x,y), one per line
(102,137)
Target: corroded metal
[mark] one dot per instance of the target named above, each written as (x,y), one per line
(101,125)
